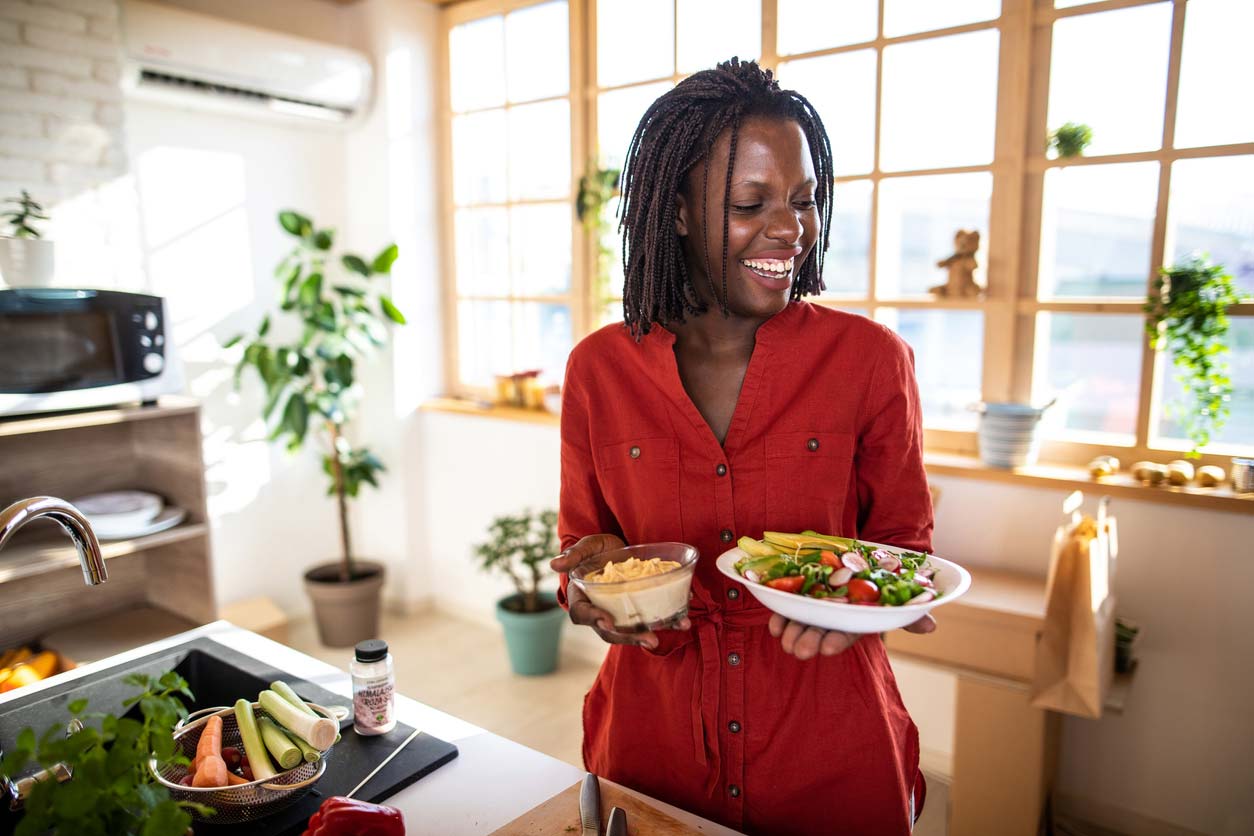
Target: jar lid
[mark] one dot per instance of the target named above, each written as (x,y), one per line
(371,650)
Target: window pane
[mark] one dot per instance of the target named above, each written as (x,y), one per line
(1092,364)
(537,49)
(543,338)
(842,89)
(612,313)
(711,31)
(1109,71)
(1097,222)
(948,361)
(1239,429)
(479,159)
(540,249)
(807,25)
(482,252)
(940,102)
(539,150)
(483,344)
(635,41)
(1214,106)
(1212,211)
(618,114)
(918,218)
(902,17)
(477,64)
(611,264)
(847,268)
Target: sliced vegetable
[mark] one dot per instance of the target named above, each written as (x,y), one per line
(286,753)
(792,583)
(855,562)
(861,590)
(318,732)
(258,760)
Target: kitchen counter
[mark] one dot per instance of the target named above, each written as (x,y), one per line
(491,782)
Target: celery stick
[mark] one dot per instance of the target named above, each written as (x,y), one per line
(286,753)
(258,760)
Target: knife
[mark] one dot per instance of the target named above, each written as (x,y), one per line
(590,806)
(618,823)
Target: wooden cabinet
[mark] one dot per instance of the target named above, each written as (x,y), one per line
(153,448)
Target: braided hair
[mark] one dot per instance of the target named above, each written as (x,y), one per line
(677,132)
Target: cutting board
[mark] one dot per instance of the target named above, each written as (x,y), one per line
(559,816)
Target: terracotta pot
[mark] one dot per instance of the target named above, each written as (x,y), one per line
(345,613)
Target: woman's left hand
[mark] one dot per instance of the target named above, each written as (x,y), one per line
(805,642)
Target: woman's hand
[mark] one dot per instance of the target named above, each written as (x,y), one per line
(581,609)
(804,641)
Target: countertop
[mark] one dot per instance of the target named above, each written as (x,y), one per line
(491,782)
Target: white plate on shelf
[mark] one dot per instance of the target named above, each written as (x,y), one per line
(168,518)
(950,579)
(119,510)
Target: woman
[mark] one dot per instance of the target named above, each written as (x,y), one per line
(727,407)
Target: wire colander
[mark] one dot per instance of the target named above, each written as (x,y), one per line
(241,802)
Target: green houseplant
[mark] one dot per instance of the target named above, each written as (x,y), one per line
(596,189)
(312,393)
(1187,314)
(1070,140)
(26,259)
(519,546)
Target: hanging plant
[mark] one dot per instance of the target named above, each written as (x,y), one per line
(1188,316)
(1070,140)
(596,189)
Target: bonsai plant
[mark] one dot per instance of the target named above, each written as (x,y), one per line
(518,547)
(25,258)
(1188,315)
(312,393)
(1070,140)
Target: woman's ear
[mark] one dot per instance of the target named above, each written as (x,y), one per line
(681,215)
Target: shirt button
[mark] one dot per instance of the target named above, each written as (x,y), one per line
(733,659)
(721,470)
(812,444)
(733,791)
(733,727)
(635,452)
(733,593)
(726,535)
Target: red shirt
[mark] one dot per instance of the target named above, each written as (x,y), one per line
(826,435)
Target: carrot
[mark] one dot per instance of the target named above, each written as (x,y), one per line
(212,772)
(235,780)
(209,768)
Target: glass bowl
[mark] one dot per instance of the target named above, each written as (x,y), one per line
(656,602)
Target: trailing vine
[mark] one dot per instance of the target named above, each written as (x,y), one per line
(1188,316)
(596,189)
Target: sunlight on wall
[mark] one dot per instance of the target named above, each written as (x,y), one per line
(97,236)
(237,467)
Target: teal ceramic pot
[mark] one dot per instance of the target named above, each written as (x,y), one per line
(532,638)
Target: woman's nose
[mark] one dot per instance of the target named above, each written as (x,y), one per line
(784,225)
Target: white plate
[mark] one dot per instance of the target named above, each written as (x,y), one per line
(950,578)
(119,510)
(168,518)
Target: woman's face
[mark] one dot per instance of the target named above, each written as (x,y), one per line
(772,220)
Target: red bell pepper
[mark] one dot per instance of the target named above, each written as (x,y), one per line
(340,816)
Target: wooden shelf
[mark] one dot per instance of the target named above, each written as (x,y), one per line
(26,425)
(28,557)
(483,409)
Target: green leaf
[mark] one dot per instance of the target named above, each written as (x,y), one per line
(233,341)
(311,290)
(296,417)
(390,310)
(345,290)
(295,223)
(323,239)
(167,819)
(384,260)
(77,706)
(354,263)
(264,328)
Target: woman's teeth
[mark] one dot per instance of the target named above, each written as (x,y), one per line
(771,268)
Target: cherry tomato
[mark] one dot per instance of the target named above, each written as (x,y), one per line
(830,559)
(863,591)
(792,583)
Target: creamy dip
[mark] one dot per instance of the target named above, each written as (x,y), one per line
(645,593)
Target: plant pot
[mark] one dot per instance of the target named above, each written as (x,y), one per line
(345,612)
(26,262)
(532,638)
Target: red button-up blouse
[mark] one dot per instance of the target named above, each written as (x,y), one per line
(826,435)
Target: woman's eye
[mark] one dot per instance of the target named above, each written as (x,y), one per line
(745,207)
(805,204)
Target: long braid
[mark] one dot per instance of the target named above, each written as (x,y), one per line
(675,133)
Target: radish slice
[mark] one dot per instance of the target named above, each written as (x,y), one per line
(891,563)
(840,577)
(854,561)
(924,572)
(839,599)
(922,581)
(752,575)
(880,554)
(922,598)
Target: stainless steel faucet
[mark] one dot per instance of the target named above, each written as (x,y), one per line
(71,521)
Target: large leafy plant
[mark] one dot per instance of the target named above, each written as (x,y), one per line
(311,380)
(518,547)
(113,792)
(1188,316)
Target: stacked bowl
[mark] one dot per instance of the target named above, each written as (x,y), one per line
(1007,433)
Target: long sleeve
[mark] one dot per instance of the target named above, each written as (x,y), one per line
(894,503)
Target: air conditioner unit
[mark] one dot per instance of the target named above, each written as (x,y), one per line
(189,59)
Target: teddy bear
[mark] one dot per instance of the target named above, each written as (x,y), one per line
(961,264)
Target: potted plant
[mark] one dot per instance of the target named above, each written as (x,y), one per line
(1070,140)
(312,391)
(1188,315)
(518,547)
(26,259)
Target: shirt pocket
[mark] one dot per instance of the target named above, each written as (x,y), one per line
(807,479)
(640,482)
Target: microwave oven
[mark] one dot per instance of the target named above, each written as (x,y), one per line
(64,349)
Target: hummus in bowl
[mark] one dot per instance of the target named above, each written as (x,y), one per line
(642,587)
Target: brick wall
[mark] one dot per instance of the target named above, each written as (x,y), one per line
(60,103)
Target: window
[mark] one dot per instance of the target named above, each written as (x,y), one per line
(937,114)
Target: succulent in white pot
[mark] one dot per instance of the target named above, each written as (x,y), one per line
(26,258)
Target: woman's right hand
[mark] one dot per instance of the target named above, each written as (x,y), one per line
(582,610)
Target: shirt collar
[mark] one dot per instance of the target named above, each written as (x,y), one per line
(773,329)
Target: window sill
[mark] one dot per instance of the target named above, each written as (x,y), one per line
(1052,477)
